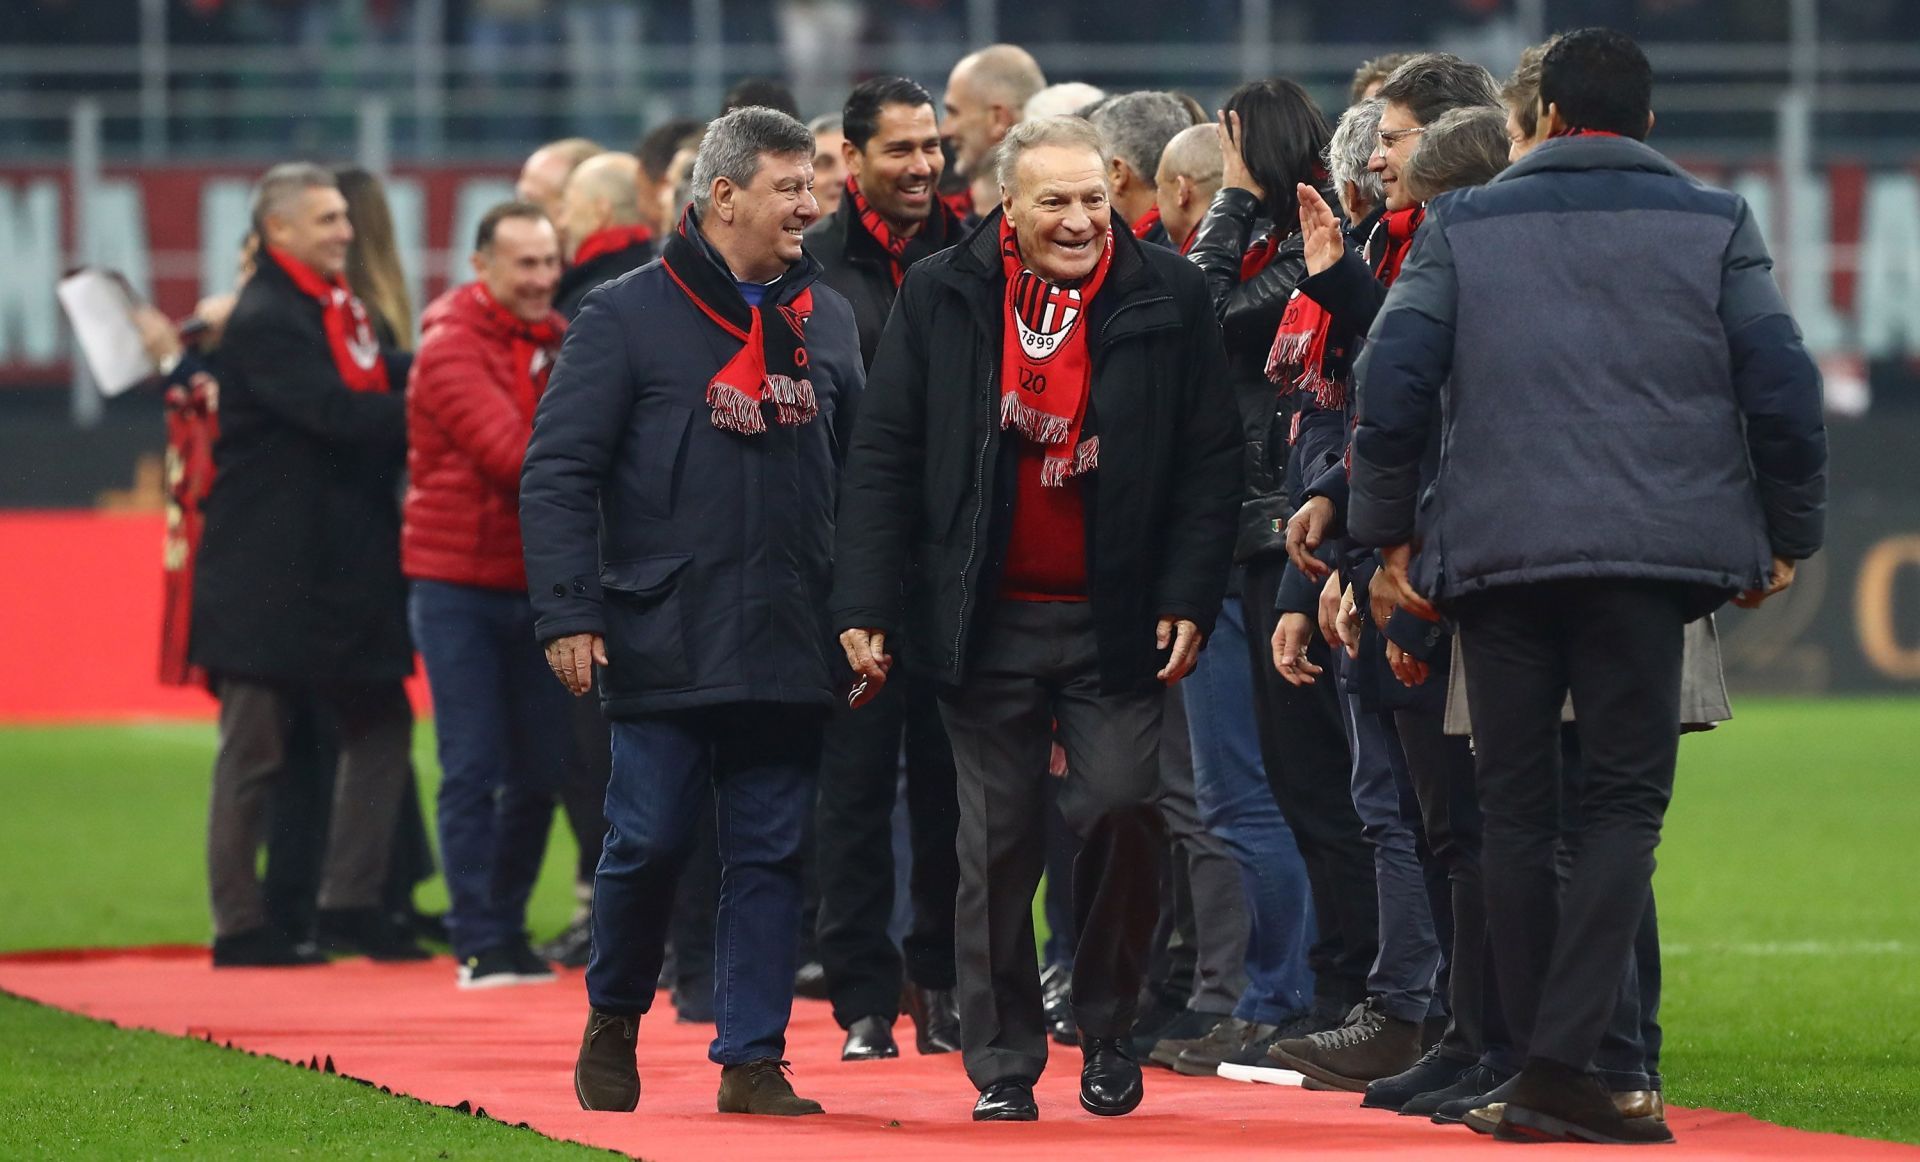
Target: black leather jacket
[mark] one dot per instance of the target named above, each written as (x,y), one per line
(1249,315)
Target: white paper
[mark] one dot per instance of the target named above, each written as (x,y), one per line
(97,305)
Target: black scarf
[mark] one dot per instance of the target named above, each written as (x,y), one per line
(772,361)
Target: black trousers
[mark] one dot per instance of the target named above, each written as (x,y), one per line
(859,779)
(1303,744)
(1615,646)
(1037,665)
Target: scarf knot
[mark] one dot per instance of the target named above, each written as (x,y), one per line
(1046,368)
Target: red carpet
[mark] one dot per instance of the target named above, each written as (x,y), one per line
(510,1051)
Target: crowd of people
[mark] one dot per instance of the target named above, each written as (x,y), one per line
(1287,544)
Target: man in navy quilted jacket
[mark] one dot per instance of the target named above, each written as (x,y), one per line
(1632,436)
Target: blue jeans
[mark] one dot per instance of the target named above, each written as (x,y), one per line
(1237,805)
(500,722)
(1406,970)
(760,761)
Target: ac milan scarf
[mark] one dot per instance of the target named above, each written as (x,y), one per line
(1298,359)
(533,346)
(1046,370)
(934,235)
(356,352)
(610,240)
(1147,222)
(193,424)
(773,348)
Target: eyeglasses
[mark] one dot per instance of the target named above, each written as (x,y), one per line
(1392,137)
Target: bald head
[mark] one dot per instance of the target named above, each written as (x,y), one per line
(987,92)
(544,178)
(602,191)
(1188,177)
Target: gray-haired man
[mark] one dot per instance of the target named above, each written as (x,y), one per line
(677,514)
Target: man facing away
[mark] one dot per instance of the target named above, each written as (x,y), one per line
(1042,495)
(890,218)
(297,590)
(1632,435)
(486,352)
(677,511)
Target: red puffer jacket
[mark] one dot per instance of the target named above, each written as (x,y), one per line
(479,373)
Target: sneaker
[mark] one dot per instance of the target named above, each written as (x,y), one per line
(263,947)
(366,932)
(761,1087)
(1370,1046)
(507,965)
(1231,1040)
(1253,1062)
(604,1075)
(571,948)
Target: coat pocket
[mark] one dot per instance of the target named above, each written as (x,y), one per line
(646,625)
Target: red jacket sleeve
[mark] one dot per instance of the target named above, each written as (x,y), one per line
(456,388)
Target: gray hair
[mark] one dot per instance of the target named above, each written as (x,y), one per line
(1070,132)
(1065,97)
(1138,126)
(1464,147)
(1351,147)
(283,183)
(827,123)
(734,144)
(1194,153)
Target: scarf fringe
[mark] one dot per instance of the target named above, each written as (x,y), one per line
(735,410)
(1289,350)
(1038,426)
(793,399)
(1055,471)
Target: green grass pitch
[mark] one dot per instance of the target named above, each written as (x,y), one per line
(1789,907)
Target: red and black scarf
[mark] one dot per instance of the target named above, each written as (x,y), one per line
(533,346)
(771,364)
(935,234)
(1298,359)
(1147,222)
(610,241)
(356,351)
(1046,369)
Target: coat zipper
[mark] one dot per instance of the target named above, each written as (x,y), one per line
(973,535)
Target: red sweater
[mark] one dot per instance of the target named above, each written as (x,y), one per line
(470,401)
(1047,551)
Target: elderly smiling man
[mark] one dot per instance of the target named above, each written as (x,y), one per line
(1042,494)
(677,511)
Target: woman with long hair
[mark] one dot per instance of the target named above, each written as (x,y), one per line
(373,260)
(1278,795)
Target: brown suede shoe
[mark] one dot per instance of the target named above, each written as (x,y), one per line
(1634,1105)
(604,1075)
(761,1087)
(1370,1046)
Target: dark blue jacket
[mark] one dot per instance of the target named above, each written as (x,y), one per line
(1621,390)
(702,555)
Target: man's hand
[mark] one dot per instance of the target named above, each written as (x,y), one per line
(1396,590)
(1305,531)
(1778,582)
(573,657)
(1185,637)
(1346,623)
(1319,230)
(1410,670)
(1290,640)
(1327,612)
(867,656)
(1234,174)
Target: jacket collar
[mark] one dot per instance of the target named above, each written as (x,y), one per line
(796,279)
(1576,154)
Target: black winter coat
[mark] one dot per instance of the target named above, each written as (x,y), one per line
(929,490)
(701,555)
(1249,315)
(852,263)
(298,574)
(601,268)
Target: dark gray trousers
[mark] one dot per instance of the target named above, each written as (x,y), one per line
(1038,665)
(375,730)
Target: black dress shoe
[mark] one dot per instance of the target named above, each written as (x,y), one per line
(810,982)
(263,947)
(1472,1084)
(1109,1078)
(1551,1103)
(1006,1101)
(869,1039)
(366,932)
(1455,1110)
(1056,992)
(1433,1071)
(936,1019)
